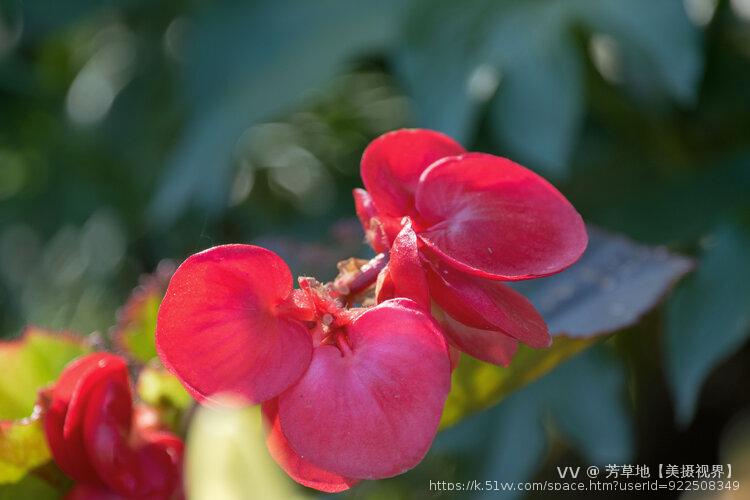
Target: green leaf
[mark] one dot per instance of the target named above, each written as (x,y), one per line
(23,447)
(272,54)
(587,399)
(539,106)
(610,288)
(30,363)
(455,55)
(615,283)
(437,65)
(135,332)
(708,317)
(157,387)
(164,393)
(518,440)
(477,385)
(34,360)
(29,487)
(658,33)
(643,203)
(135,336)
(227,458)
(42,19)
(586,403)
(542,98)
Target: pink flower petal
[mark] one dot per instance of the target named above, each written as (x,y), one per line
(299,469)
(219,329)
(392,163)
(370,408)
(406,269)
(487,305)
(488,216)
(485,345)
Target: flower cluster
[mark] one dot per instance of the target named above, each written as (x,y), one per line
(111,448)
(353,375)
(456,225)
(350,393)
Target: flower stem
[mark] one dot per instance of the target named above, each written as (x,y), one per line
(351,285)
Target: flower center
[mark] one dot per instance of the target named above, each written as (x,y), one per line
(328,326)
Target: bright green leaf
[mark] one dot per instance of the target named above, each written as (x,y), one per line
(227,458)
(163,392)
(708,317)
(34,360)
(157,387)
(136,333)
(23,447)
(136,326)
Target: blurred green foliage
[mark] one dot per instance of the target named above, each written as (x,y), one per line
(134,131)
(29,365)
(35,360)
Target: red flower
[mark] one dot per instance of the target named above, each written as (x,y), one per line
(96,437)
(354,394)
(349,394)
(457,224)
